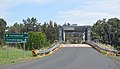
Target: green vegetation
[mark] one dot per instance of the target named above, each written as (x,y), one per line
(107,32)
(37,40)
(2,31)
(40,35)
(118,57)
(12,55)
(32,25)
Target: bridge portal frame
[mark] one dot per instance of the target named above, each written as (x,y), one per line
(85,30)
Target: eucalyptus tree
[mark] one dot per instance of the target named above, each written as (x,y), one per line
(3,24)
(107,31)
(114,24)
(16,28)
(2,30)
(31,24)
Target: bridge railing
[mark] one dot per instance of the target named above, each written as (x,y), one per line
(100,49)
(47,50)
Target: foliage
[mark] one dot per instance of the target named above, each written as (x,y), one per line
(66,24)
(51,30)
(37,40)
(2,27)
(16,28)
(32,25)
(2,31)
(107,32)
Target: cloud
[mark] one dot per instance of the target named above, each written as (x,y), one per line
(83,12)
(91,12)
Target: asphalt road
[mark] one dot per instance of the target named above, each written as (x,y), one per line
(69,58)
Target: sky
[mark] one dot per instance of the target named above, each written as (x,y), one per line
(81,12)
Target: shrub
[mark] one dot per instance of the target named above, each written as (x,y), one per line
(37,40)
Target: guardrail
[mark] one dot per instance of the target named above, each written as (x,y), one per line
(100,49)
(47,50)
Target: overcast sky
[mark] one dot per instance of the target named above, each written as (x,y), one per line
(81,12)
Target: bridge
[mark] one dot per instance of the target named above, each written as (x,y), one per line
(70,56)
(74,34)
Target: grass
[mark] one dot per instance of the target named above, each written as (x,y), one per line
(13,55)
(106,46)
(118,57)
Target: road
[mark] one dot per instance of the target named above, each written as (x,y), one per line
(69,58)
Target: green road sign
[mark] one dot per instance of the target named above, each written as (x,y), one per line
(16,38)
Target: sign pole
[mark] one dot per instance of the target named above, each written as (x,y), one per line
(8,50)
(24,50)
(7,54)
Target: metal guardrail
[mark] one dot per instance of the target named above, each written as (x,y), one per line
(99,48)
(47,50)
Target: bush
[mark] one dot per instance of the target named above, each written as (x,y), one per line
(37,40)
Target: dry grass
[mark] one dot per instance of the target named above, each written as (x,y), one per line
(106,46)
(11,55)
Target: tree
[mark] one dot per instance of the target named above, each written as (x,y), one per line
(44,28)
(2,30)
(98,31)
(68,24)
(31,24)
(51,30)
(107,31)
(2,27)
(16,28)
(55,31)
(64,24)
(114,24)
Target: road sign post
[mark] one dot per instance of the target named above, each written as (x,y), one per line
(24,51)
(16,38)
